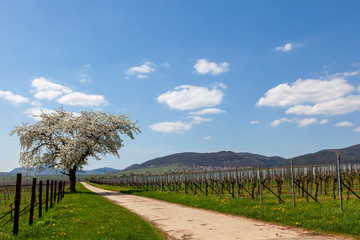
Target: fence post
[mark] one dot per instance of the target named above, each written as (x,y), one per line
(339,180)
(219,184)
(292,182)
(237,182)
(47,195)
(40,199)
(32,203)
(55,183)
(260,188)
(17,204)
(51,193)
(59,191)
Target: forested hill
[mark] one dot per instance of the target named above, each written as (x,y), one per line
(232,159)
(347,155)
(218,159)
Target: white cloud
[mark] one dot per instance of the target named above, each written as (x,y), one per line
(288,47)
(203,66)
(197,119)
(306,122)
(171,127)
(186,97)
(344,124)
(81,99)
(357,129)
(254,122)
(13,98)
(36,111)
(141,71)
(300,122)
(305,91)
(337,106)
(279,121)
(178,126)
(207,138)
(208,111)
(45,89)
(323,121)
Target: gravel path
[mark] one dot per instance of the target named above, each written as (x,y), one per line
(182,222)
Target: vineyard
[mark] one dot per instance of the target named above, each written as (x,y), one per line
(19,198)
(296,184)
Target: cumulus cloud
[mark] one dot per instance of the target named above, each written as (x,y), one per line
(254,122)
(306,122)
(141,71)
(171,127)
(82,99)
(203,66)
(305,91)
(288,47)
(208,111)
(187,97)
(344,124)
(357,129)
(178,126)
(45,89)
(339,106)
(300,122)
(36,111)
(13,98)
(207,138)
(280,121)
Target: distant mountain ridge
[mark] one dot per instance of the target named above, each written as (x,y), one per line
(48,171)
(231,159)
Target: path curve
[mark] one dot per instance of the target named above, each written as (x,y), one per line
(183,222)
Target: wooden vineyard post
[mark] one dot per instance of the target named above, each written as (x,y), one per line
(32,203)
(237,182)
(292,182)
(47,195)
(192,182)
(219,184)
(59,191)
(17,204)
(185,190)
(55,183)
(51,193)
(339,180)
(40,199)
(260,188)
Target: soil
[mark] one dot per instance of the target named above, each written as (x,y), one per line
(183,222)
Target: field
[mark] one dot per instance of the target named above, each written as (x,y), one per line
(85,215)
(316,195)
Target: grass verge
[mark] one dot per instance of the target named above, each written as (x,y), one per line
(84,215)
(324,218)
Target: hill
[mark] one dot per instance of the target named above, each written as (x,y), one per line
(231,159)
(48,171)
(328,156)
(218,159)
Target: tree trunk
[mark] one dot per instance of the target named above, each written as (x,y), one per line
(72,177)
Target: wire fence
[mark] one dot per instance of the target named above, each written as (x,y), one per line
(296,184)
(23,198)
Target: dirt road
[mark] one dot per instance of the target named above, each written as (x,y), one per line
(182,222)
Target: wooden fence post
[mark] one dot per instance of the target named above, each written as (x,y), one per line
(219,184)
(292,182)
(40,199)
(55,183)
(59,191)
(17,204)
(339,180)
(47,195)
(32,203)
(237,182)
(51,193)
(260,188)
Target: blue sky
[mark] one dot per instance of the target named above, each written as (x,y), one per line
(268,77)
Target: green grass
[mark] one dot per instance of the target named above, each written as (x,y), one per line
(85,215)
(324,218)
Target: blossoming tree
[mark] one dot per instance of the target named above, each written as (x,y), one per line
(64,140)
